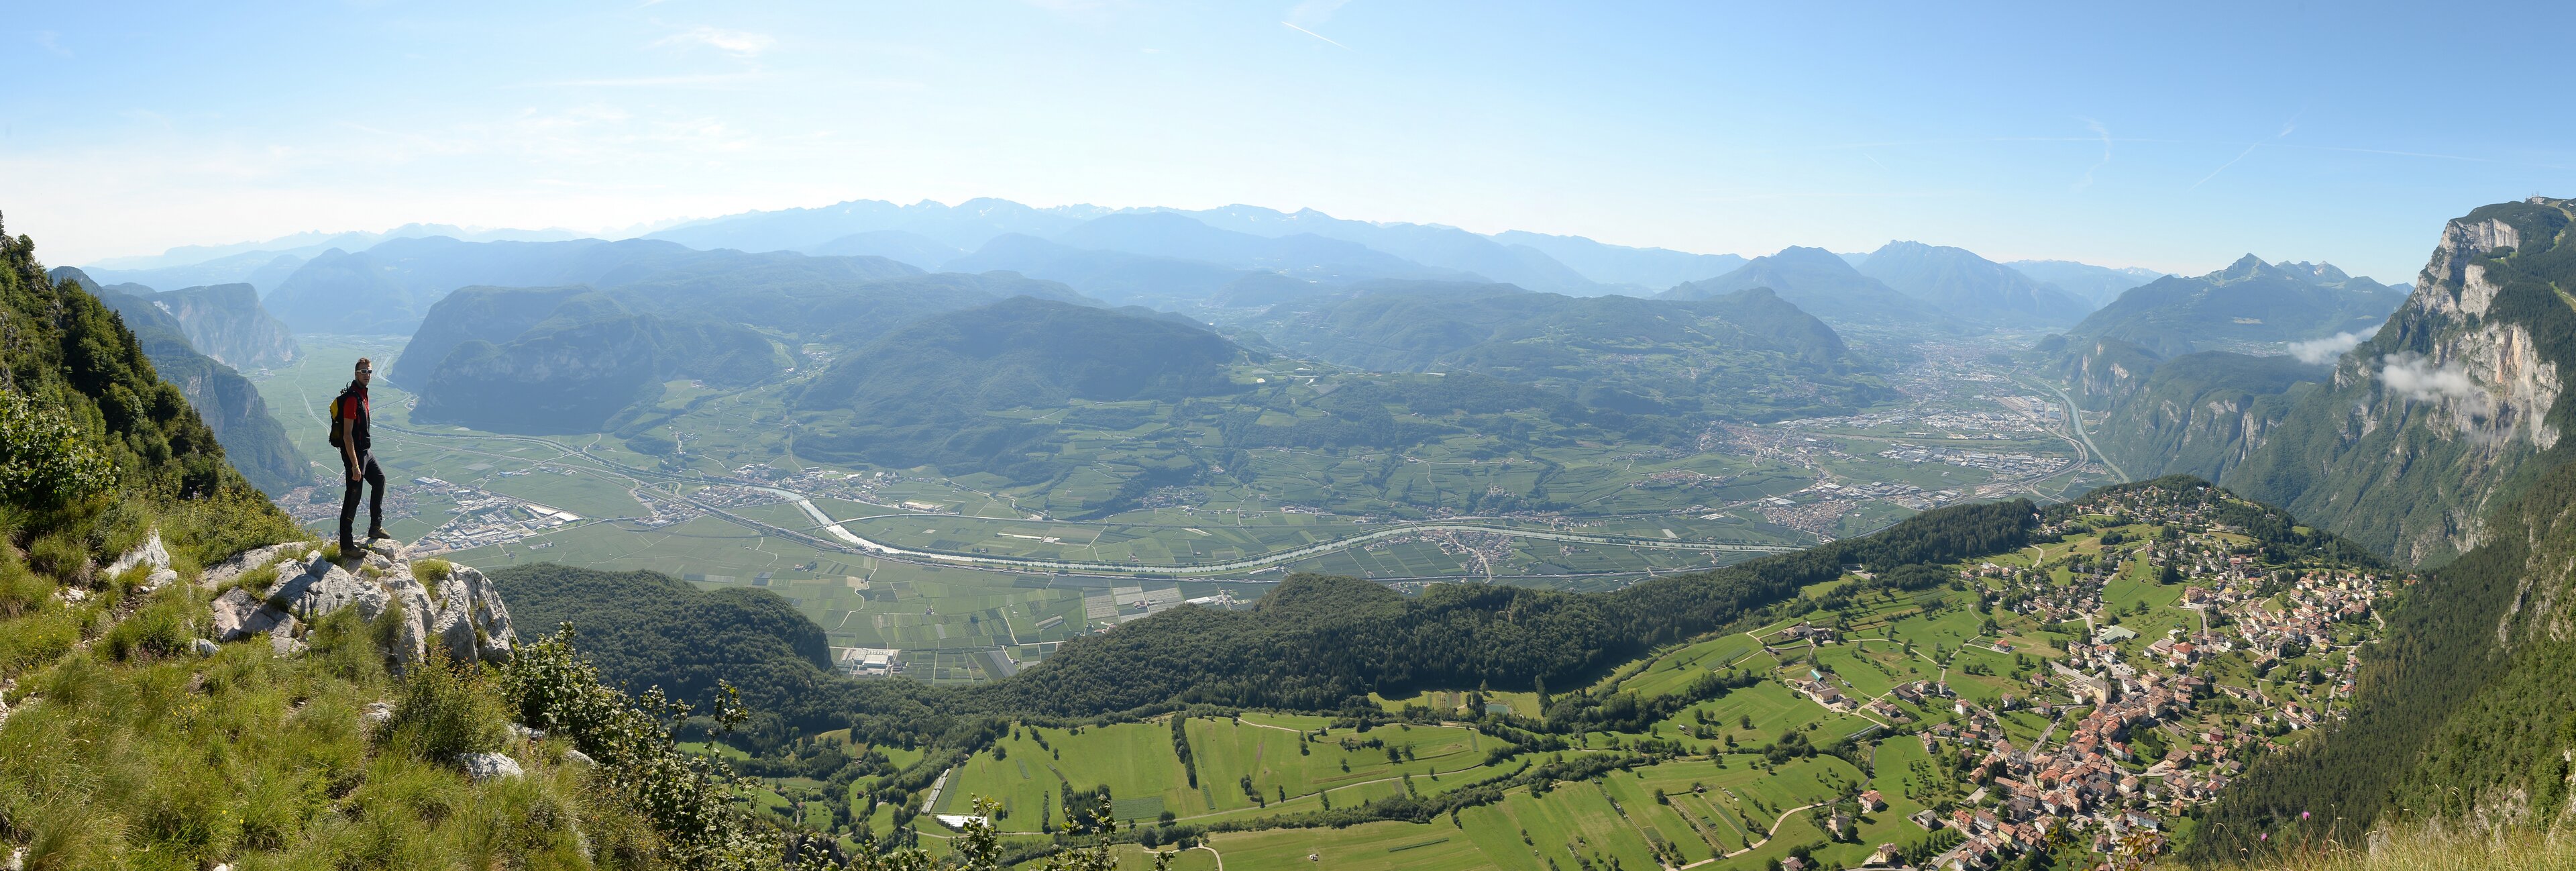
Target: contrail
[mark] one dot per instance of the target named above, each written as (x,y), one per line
(1315,35)
(2105,133)
(2286,127)
(2223,167)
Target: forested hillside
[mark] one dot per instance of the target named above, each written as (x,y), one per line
(917,395)
(1745,355)
(572,359)
(644,629)
(589,359)
(225,322)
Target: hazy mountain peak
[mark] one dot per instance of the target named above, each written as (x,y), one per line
(1810,258)
(1969,286)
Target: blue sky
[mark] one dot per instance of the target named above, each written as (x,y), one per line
(2172,135)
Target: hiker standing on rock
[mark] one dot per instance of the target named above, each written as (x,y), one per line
(349,433)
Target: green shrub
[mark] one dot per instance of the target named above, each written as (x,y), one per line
(45,459)
(447,708)
(683,796)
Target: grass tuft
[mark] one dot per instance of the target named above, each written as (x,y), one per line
(446,709)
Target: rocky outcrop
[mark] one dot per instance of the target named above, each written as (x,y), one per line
(489,766)
(2452,407)
(457,612)
(152,558)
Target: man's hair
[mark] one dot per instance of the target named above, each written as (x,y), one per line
(363,365)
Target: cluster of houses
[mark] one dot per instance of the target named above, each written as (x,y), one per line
(2132,743)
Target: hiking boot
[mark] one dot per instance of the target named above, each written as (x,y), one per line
(377,532)
(349,549)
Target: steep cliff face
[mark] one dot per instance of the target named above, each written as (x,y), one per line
(226,322)
(2100,373)
(2453,406)
(231,406)
(2203,414)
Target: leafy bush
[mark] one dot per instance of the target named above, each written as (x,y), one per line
(45,460)
(447,709)
(682,795)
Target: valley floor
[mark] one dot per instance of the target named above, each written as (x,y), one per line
(967,579)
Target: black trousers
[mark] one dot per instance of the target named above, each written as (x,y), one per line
(372,474)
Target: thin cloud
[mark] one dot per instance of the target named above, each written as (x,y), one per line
(741,43)
(2105,133)
(2330,348)
(2420,380)
(52,42)
(708,79)
(1315,35)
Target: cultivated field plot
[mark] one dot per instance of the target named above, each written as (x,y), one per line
(1142,768)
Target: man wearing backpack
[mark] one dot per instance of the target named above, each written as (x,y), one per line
(349,434)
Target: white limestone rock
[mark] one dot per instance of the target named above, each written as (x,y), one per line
(252,560)
(150,553)
(481,767)
(240,615)
(471,620)
(324,588)
(283,643)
